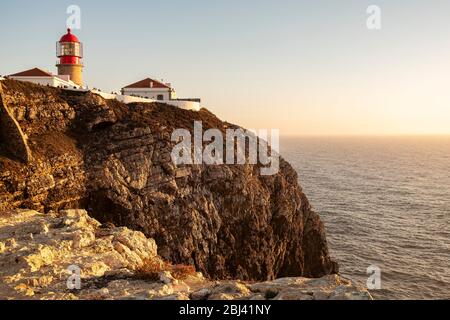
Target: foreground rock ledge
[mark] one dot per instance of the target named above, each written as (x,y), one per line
(37,249)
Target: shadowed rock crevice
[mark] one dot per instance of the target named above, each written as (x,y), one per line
(12,140)
(114,160)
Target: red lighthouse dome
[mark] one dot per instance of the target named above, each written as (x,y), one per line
(69,37)
(69,50)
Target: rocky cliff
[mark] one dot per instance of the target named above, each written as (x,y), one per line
(42,255)
(114,161)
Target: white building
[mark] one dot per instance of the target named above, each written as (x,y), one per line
(150,89)
(44,78)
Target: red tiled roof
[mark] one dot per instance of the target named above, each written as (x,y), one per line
(36,72)
(147,83)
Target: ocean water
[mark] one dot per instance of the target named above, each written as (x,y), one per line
(385,202)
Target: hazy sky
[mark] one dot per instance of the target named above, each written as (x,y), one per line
(305,67)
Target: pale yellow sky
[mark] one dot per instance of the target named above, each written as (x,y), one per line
(393,96)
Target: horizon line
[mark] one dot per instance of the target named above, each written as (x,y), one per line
(357,135)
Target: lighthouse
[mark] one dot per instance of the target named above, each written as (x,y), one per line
(69,50)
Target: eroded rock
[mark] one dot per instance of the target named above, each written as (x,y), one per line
(111,264)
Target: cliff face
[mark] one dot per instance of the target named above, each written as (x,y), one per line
(114,161)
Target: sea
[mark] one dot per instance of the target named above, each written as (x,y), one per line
(385,203)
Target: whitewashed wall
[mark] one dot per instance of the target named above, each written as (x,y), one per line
(46,81)
(186,105)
